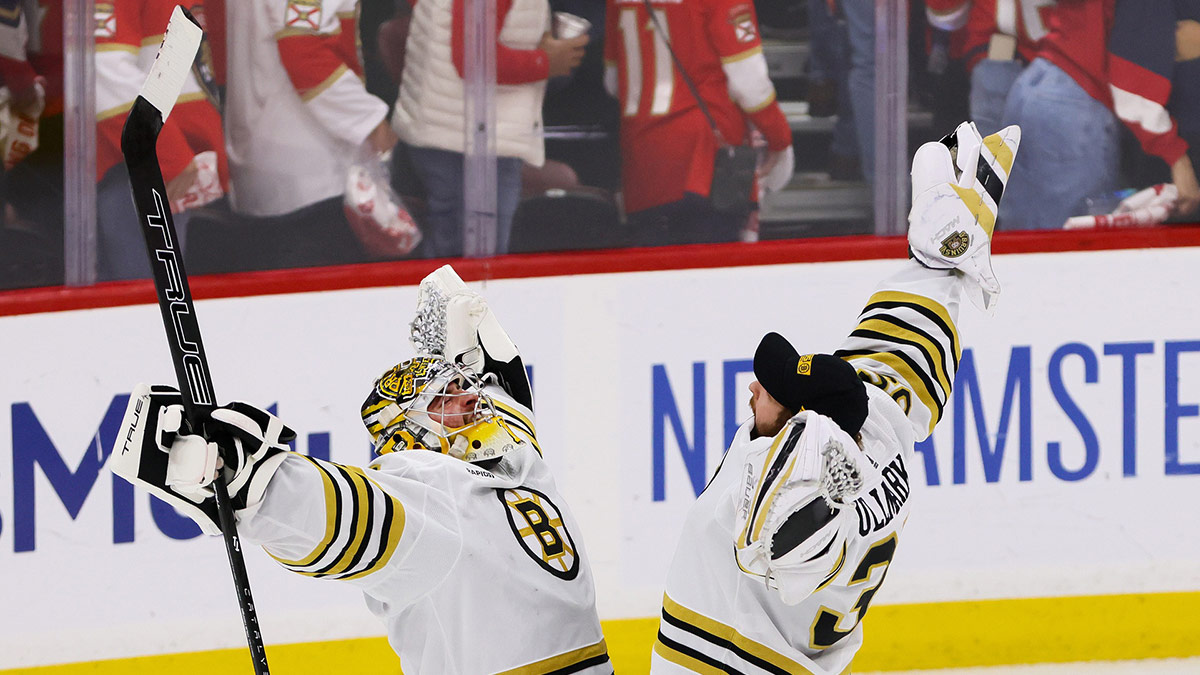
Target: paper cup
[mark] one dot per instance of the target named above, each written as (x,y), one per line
(567,26)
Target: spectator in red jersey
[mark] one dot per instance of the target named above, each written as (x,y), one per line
(297,115)
(429,114)
(31,70)
(191,146)
(1001,38)
(1173,81)
(667,144)
(1068,102)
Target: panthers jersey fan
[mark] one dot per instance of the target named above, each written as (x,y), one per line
(995,29)
(456,534)
(127,38)
(783,552)
(667,145)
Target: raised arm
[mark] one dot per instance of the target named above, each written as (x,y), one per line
(316,518)
(906,341)
(474,338)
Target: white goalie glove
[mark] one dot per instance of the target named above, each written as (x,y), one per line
(157,451)
(957,185)
(797,504)
(467,326)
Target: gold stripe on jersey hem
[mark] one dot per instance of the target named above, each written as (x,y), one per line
(741,56)
(117,47)
(549,665)
(153,40)
(332,518)
(685,661)
(932,352)
(922,301)
(728,634)
(320,88)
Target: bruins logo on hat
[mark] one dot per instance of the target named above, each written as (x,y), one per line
(955,244)
(804,366)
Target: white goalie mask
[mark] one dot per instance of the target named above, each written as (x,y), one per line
(428,403)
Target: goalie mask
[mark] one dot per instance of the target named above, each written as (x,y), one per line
(428,403)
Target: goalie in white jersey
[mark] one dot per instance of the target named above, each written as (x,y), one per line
(782,553)
(461,544)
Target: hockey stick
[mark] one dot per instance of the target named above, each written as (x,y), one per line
(139,146)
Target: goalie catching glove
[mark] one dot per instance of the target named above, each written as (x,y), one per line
(158,451)
(455,321)
(957,185)
(797,505)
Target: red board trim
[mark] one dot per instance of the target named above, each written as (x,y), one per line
(410,272)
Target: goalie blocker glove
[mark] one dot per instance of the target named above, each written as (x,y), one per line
(957,186)
(156,450)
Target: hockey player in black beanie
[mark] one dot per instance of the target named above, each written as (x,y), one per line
(820,382)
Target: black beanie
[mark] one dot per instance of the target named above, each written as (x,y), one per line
(818,382)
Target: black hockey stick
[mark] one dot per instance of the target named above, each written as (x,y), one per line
(139,141)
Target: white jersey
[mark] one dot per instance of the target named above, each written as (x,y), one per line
(296,110)
(472,571)
(718,618)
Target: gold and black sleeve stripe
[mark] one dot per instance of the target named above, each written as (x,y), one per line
(913,337)
(363,526)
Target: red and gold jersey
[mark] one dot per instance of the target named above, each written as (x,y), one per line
(31,46)
(297,108)
(128,34)
(666,142)
(1026,20)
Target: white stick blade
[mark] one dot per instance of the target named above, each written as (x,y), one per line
(174,61)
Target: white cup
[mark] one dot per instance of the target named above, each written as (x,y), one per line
(567,26)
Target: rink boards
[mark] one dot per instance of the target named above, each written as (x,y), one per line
(1055,520)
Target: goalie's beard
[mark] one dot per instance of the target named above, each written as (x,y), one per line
(771,427)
